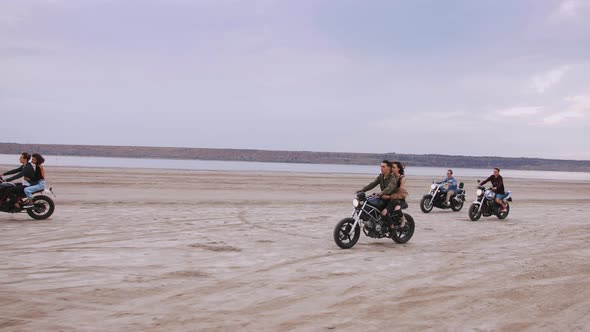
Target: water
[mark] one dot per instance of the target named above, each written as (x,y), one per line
(214,165)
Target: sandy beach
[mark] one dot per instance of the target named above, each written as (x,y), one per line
(171,250)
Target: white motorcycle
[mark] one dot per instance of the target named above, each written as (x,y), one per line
(486,205)
(438,196)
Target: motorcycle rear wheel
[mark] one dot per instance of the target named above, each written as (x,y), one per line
(43,207)
(426,205)
(405,234)
(457,207)
(342,235)
(474,214)
(503,215)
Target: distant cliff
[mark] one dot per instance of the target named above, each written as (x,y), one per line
(308,157)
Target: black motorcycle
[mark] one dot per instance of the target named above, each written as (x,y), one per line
(438,195)
(42,206)
(486,205)
(367,214)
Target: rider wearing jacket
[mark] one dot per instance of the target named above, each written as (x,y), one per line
(497,187)
(388,185)
(399,193)
(383,180)
(452,188)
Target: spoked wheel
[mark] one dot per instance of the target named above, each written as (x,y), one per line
(426,204)
(503,215)
(404,234)
(344,236)
(458,206)
(474,212)
(43,207)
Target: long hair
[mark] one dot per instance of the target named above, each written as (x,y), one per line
(40,159)
(399,166)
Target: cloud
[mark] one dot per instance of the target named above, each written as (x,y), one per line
(512,113)
(519,112)
(578,105)
(427,122)
(560,117)
(543,81)
(568,9)
(437,115)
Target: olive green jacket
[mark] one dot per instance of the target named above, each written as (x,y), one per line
(388,184)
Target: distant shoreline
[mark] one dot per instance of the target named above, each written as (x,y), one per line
(304,157)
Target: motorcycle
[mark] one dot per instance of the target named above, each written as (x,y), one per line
(438,196)
(367,214)
(486,205)
(42,206)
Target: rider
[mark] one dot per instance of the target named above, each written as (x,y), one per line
(452,188)
(387,184)
(37,160)
(26,171)
(497,187)
(399,193)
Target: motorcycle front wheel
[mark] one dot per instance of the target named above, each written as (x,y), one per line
(503,215)
(405,234)
(457,206)
(43,207)
(342,233)
(474,214)
(426,205)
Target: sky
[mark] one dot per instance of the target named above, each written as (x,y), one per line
(506,78)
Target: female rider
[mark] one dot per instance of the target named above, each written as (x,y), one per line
(36,160)
(399,193)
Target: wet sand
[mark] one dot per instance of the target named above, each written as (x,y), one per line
(161,250)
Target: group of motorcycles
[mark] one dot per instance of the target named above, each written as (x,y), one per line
(484,203)
(367,217)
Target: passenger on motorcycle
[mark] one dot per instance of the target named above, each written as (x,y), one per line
(399,193)
(37,160)
(387,183)
(452,187)
(497,187)
(26,171)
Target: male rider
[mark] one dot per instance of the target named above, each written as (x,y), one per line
(452,185)
(497,187)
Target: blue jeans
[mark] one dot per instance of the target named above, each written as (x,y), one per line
(498,196)
(31,189)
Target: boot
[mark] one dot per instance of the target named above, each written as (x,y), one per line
(398,218)
(387,221)
(402,221)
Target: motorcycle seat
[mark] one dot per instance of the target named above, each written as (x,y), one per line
(403,204)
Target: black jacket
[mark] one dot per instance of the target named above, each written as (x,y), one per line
(26,171)
(497,182)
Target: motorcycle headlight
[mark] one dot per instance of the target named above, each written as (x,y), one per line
(479,192)
(490,194)
(433,186)
(355,202)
